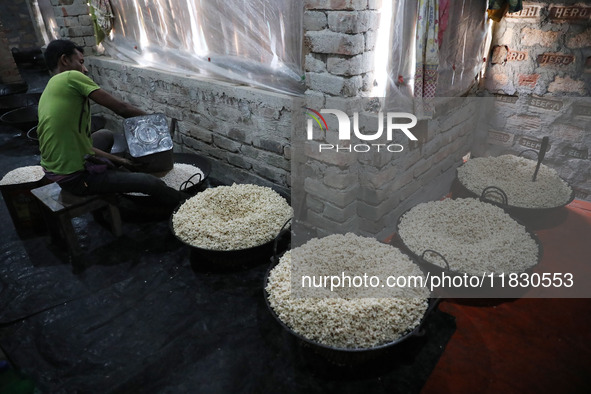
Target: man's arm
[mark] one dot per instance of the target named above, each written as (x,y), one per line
(115,159)
(121,108)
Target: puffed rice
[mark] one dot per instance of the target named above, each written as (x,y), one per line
(233,217)
(178,175)
(23,175)
(513,175)
(343,320)
(474,237)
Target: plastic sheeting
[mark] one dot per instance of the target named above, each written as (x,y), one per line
(461,51)
(259,42)
(43,12)
(255,42)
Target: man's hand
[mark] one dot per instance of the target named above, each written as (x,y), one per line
(119,161)
(130,165)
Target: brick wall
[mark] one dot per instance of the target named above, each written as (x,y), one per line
(244,131)
(9,73)
(73,20)
(342,191)
(541,77)
(543,50)
(339,41)
(17,22)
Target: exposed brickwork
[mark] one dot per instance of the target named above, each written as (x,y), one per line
(18,25)
(74,23)
(9,73)
(245,132)
(549,39)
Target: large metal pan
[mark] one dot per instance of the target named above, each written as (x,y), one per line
(488,288)
(460,190)
(349,356)
(208,260)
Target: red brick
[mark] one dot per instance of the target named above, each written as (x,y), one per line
(529,80)
(516,56)
(558,59)
(572,13)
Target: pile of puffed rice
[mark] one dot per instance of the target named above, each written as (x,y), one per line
(23,175)
(473,236)
(233,217)
(178,176)
(513,175)
(338,318)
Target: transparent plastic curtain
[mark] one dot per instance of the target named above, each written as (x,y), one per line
(461,51)
(43,11)
(252,42)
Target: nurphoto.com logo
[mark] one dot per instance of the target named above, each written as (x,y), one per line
(395,121)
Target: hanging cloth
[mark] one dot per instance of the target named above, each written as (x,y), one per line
(443,19)
(101,14)
(427,48)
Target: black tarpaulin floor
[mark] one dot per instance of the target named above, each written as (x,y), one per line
(134,316)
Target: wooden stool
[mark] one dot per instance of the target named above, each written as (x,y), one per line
(61,207)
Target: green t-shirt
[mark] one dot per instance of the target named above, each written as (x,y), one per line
(64,122)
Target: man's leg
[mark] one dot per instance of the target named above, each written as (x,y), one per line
(103,139)
(113,181)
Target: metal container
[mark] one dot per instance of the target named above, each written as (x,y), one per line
(489,287)
(24,118)
(208,260)
(142,208)
(149,141)
(528,215)
(15,101)
(523,213)
(349,356)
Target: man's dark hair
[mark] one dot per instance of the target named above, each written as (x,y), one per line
(57,48)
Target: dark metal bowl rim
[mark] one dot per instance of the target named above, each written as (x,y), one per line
(424,262)
(230,251)
(516,208)
(6,117)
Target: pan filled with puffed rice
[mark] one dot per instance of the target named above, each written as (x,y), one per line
(507,180)
(347,324)
(467,236)
(16,186)
(227,227)
(189,174)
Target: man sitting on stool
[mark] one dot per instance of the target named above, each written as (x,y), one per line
(78,161)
